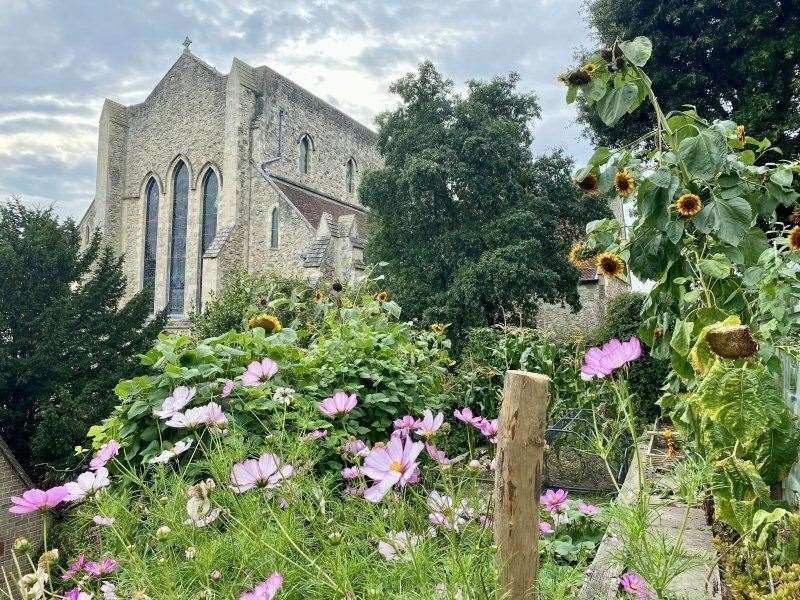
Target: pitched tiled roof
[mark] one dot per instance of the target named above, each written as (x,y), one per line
(588,272)
(312,204)
(6,453)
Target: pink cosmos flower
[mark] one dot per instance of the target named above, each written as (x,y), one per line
(391,465)
(554,500)
(104,454)
(355,448)
(77,594)
(634,585)
(99,568)
(34,500)
(438,455)
(338,404)
(74,567)
(429,425)
(465,415)
(258,372)
(181,396)
(404,425)
(103,521)
(316,434)
(266,471)
(601,361)
(266,590)
(349,473)
(227,388)
(545,528)
(489,428)
(589,510)
(215,419)
(87,484)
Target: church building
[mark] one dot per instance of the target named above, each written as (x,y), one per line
(215,172)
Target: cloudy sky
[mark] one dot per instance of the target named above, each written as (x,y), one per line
(60,58)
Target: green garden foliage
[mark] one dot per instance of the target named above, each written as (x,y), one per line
(710,230)
(290,298)
(393,367)
(731,59)
(65,339)
(470,225)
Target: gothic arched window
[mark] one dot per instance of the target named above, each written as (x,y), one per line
(210,191)
(275,226)
(150,237)
(177,254)
(350,176)
(305,154)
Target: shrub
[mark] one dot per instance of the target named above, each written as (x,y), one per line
(393,368)
(291,298)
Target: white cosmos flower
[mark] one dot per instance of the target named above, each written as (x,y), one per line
(87,484)
(167,455)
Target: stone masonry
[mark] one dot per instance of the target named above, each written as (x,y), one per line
(231,124)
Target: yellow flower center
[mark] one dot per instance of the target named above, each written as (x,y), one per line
(396,467)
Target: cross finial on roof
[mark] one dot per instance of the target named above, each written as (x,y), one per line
(186,43)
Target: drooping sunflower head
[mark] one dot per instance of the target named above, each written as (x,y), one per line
(270,323)
(610,265)
(578,77)
(732,341)
(740,133)
(588,184)
(624,183)
(794,218)
(607,54)
(574,256)
(318,296)
(337,286)
(437,328)
(793,239)
(382,296)
(688,205)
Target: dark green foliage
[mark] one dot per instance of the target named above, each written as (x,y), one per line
(732,59)
(646,375)
(469,224)
(64,338)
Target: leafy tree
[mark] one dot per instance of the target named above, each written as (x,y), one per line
(469,224)
(65,338)
(732,59)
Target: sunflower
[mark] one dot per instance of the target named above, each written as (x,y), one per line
(607,54)
(318,296)
(270,323)
(740,133)
(794,218)
(688,205)
(623,182)
(590,68)
(337,286)
(382,296)
(578,77)
(588,184)
(437,328)
(574,256)
(793,239)
(610,265)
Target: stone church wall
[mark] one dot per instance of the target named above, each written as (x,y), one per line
(335,136)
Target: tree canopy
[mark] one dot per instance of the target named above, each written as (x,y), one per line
(65,339)
(471,227)
(732,59)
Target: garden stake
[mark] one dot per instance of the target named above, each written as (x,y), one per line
(518,481)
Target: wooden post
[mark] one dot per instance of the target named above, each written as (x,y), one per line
(518,482)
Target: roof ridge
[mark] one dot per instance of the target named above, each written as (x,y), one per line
(5,450)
